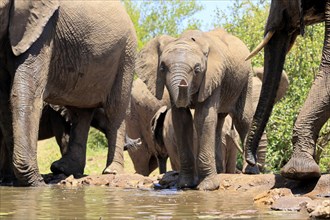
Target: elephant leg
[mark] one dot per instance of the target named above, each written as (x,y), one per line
(313,115)
(206,122)
(115,110)
(183,128)
(115,134)
(26,105)
(220,149)
(162,164)
(74,160)
(6,170)
(61,130)
(231,155)
(6,131)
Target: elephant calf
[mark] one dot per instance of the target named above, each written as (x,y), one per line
(163,132)
(148,156)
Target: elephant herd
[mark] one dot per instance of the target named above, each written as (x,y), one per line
(66,66)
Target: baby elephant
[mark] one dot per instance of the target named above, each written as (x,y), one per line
(201,71)
(163,133)
(146,155)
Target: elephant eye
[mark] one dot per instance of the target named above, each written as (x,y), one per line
(162,67)
(197,68)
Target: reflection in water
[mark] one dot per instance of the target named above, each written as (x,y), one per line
(102,202)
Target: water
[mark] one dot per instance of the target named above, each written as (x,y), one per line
(97,202)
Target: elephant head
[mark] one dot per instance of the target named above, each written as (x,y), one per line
(285,22)
(186,65)
(25,21)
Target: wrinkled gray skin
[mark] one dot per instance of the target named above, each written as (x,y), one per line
(202,71)
(146,155)
(55,122)
(163,133)
(257,84)
(52,124)
(287,18)
(78,54)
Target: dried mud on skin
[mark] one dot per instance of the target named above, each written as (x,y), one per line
(269,190)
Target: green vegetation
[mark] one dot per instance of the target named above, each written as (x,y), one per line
(48,152)
(246,20)
(171,17)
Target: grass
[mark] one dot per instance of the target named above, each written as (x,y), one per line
(48,152)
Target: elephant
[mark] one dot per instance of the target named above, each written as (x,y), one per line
(162,131)
(146,155)
(201,71)
(55,122)
(76,54)
(286,21)
(52,124)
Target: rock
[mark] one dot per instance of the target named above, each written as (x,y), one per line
(270,196)
(311,206)
(168,180)
(321,211)
(325,195)
(290,203)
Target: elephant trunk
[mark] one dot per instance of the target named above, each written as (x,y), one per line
(183,96)
(179,89)
(275,52)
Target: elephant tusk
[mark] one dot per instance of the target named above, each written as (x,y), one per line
(261,45)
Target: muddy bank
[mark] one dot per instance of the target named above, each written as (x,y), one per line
(253,184)
(269,190)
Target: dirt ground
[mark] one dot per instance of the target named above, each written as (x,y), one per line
(270,190)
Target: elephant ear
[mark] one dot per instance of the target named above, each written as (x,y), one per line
(157,123)
(27,21)
(215,60)
(147,64)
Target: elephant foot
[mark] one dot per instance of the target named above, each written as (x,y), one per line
(38,183)
(209,183)
(300,168)
(249,169)
(186,181)
(67,166)
(8,180)
(114,168)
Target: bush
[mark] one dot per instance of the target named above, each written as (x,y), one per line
(246,21)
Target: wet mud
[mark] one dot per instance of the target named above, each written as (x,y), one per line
(273,191)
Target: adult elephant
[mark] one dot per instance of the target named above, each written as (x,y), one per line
(285,22)
(201,70)
(54,122)
(79,54)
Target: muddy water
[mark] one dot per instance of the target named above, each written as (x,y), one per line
(113,203)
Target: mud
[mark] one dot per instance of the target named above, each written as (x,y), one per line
(269,190)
